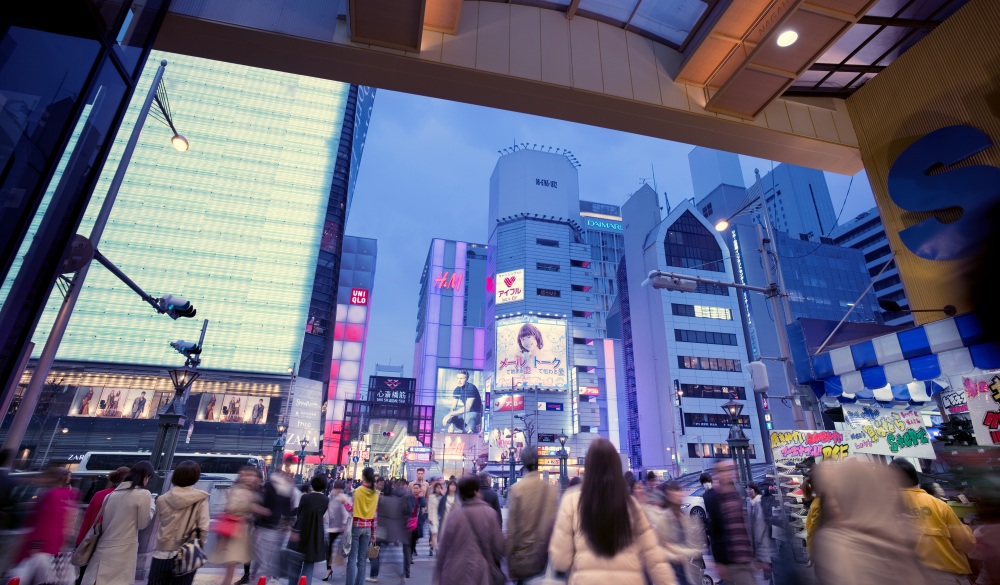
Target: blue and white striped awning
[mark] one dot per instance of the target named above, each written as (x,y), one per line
(906,366)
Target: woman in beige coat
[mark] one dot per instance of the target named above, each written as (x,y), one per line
(242,501)
(127,510)
(601,535)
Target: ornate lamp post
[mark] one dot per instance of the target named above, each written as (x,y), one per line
(563,463)
(279,449)
(303,443)
(739,444)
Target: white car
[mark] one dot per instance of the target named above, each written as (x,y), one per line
(693,504)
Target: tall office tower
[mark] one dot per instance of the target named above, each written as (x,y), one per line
(239,224)
(451,340)
(602,225)
(349,334)
(683,351)
(867,233)
(799,202)
(823,280)
(542,337)
(711,168)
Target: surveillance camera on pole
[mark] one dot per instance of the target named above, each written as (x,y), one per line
(176,307)
(188,349)
(658,280)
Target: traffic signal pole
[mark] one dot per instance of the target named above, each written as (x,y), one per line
(29,401)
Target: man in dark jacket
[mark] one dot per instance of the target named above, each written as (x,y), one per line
(531,514)
(727,529)
(489,495)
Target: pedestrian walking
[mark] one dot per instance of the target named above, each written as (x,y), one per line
(531,504)
(437,491)
(338,518)
(180,511)
(308,537)
(50,525)
(363,524)
(601,535)
(127,510)
(234,527)
(271,528)
(394,509)
(418,517)
(681,535)
(489,495)
(115,479)
(728,532)
(764,548)
(471,549)
(942,540)
(446,504)
(861,540)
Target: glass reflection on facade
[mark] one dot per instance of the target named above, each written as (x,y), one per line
(234,224)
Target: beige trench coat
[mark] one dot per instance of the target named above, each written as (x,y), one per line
(126,512)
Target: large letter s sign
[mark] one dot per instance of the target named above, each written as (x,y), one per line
(972,189)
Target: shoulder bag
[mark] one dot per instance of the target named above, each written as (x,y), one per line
(85,550)
(191,556)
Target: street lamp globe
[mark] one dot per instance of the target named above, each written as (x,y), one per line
(281,429)
(722,225)
(183,377)
(304,443)
(180,143)
(563,438)
(733,410)
(64,430)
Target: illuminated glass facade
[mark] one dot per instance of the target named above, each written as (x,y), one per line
(234,224)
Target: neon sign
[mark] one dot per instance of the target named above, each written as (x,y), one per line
(449,280)
(608,225)
(359,296)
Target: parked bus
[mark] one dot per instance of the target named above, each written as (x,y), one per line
(212,464)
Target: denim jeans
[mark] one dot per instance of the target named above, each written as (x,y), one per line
(360,537)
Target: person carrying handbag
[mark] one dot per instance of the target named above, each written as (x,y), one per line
(182,513)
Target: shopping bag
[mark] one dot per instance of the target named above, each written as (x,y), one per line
(547,578)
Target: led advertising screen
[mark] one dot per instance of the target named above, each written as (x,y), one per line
(459,404)
(531,351)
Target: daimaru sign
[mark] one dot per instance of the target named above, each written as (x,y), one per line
(604,224)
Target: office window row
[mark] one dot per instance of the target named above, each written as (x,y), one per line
(714,451)
(687,362)
(703,311)
(710,337)
(712,391)
(715,421)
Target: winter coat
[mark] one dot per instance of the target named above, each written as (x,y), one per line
(569,551)
(532,504)
(432,512)
(446,505)
(393,512)
(764,548)
(682,536)
(310,528)
(174,511)
(338,516)
(51,520)
(240,501)
(489,495)
(93,508)
(126,512)
(278,500)
(471,549)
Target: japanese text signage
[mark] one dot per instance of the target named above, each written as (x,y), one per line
(531,351)
(388,390)
(900,433)
(359,296)
(983,396)
(510,286)
(795,446)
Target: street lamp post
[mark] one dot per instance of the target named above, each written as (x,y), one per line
(279,449)
(303,443)
(563,461)
(739,444)
(29,401)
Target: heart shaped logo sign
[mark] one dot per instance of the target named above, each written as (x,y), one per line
(510,280)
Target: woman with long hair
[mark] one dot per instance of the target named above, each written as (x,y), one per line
(437,490)
(127,510)
(446,503)
(601,534)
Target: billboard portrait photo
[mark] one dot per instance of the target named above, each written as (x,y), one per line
(459,402)
(531,351)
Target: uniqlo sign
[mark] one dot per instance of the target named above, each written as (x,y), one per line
(359,296)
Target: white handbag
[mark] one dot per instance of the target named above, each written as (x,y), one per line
(546,578)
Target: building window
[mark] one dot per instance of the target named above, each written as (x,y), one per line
(712,337)
(703,311)
(547,267)
(583,314)
(580,263)
(713,421)
(548,292)
(686,362)
(710,391)
(876,254)
(887,282)
(545,242)
(712,289)
(580,288)
(689,244)
(876,269)
(707,210)
(714,451)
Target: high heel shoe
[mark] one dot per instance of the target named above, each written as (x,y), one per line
(329,574)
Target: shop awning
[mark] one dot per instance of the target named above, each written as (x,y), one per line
(904,366)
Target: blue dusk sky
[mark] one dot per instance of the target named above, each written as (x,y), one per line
(425,174)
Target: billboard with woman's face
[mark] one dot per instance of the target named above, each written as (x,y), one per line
(531,351)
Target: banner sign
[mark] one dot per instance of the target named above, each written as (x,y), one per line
(900,433)
(953,399)
(983,396)
(458,404)
(794,446)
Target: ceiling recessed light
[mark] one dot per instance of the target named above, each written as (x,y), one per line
(787,38)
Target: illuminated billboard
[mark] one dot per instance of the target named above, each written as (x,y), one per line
(531,351)
(233,408)
(459,402)
(510,286)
